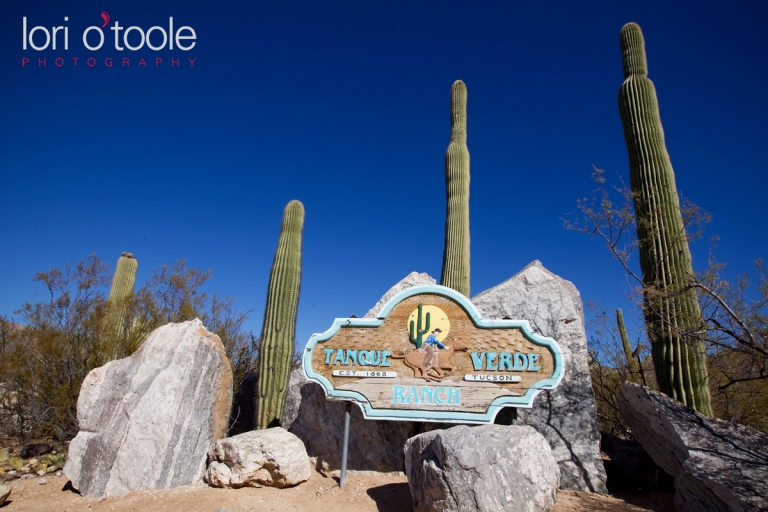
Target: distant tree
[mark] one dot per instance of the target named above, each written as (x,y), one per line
(47,352)
(734,315)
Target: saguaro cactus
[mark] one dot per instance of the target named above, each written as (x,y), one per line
(279,327)
(455,272)
(665,260)
(123,283)
(416,333)
(632,365)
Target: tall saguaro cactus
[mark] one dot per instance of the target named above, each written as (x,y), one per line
(665,260)
(123,283)
(455,272)
(279,327)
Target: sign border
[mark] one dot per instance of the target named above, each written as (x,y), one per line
(524,401)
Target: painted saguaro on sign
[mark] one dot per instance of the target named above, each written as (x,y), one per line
(429,356)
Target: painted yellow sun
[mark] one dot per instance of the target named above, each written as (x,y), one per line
(437,320)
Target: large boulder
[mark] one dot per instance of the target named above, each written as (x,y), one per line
(146,421)
(296,383)
(486,468)
(272,457)
(566,416)
(373,445)
(717,465)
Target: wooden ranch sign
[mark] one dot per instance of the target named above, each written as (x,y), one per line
(430,357)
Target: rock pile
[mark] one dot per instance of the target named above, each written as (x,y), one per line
(566,417)
(32,461)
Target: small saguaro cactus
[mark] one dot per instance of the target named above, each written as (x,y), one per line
(415,332)
(629,355)
(123,283)
(278,331)
(670,307)
(455,273)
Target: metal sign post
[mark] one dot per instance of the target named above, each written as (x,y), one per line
(345,446)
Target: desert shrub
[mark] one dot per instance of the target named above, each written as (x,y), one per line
(50,346)
(609,369)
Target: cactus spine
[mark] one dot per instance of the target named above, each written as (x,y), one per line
(123,283)
(455,273)
(632,365)
(279,327)
(665,259)
(417,335)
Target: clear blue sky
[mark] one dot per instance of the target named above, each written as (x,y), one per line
(344,106)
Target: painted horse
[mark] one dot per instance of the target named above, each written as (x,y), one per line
(415,360)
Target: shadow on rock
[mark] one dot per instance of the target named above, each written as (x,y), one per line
(656,500)
(630,468)
(241,415)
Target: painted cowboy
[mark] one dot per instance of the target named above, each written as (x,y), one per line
(430,358)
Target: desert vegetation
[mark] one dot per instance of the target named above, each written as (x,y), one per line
(48,347)
(732,324)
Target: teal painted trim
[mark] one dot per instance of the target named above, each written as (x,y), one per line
(525,401)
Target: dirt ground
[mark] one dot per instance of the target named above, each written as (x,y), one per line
(362,493)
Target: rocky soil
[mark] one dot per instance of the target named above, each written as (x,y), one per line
(38,459)
(362,493)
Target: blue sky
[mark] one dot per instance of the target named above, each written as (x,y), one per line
(344,106)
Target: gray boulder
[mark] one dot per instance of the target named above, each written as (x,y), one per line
(296,383)
(717,465)
(373,445)
(409,281)
(146,421)
(485,468)
(567,416)
(272,457)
